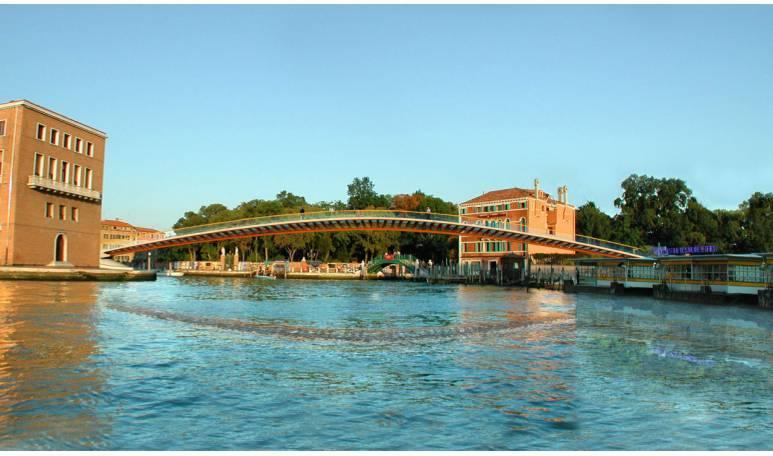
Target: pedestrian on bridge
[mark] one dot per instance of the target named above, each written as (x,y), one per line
(303,211)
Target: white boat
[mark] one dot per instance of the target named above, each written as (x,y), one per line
(174,274)
(264,277)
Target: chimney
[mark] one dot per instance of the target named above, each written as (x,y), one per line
(559,194)
(536,188)
(566,194)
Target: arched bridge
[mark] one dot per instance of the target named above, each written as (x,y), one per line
(372,220)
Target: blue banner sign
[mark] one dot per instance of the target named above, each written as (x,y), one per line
(691,250)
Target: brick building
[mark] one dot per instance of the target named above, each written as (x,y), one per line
(50,187)
(520,209)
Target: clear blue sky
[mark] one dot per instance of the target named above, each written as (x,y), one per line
(208,104)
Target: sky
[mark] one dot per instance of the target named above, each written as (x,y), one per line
(224,104)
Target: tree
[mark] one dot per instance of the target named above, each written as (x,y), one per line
(701,226)
(210,252)
(652,210)
(292,243)
(729,230)
(757,225)
(372,243)
(257,208)
(320,245)
(362,195)
(290,201)
(590,221)
(437,247)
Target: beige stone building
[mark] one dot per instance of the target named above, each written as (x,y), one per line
(115,234)
(118,233)
(51,169)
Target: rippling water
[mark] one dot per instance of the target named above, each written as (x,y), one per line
(196,363)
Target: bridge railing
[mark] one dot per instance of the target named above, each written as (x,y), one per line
(608,244)
(320,215)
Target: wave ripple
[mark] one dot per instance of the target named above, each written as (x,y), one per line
(361,335)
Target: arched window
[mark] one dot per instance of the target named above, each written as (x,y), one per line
(522,224)
(507,223)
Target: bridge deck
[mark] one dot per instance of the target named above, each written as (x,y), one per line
(375,220)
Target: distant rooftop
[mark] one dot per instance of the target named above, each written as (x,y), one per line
(117,223)
(147,230)
(507,194)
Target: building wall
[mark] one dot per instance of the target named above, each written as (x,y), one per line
(114,235)
(542,215)
(7,151)
(557,219)
(30,236)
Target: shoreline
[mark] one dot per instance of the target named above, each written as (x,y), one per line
(74,274)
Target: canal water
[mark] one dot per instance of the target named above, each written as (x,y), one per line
(197,363)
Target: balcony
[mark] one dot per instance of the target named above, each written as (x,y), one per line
(60,188)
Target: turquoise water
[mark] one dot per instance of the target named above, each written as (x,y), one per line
(196,363)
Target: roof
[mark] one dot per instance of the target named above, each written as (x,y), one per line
(117,223)
(507,194)
(718,256)
(147,230)
(56,115)
(613,260)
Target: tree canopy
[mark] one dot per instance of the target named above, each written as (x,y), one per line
(664,212)
(343,246)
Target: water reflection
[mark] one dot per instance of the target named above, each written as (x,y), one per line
(203,364)
(48,382)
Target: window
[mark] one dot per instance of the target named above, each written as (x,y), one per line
(51,168)
(89,179)
(74,214)
(740,273)
(679,271)
(89,149)
(78,145)
(49,210)
(76,175)
(62,212)
(39,165)
(2,128)
(54,136)
(65,172)
(67,143)
(41,133)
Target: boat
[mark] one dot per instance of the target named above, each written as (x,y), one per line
(265,277)
(174,273)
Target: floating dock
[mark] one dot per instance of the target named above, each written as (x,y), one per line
(239,274)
